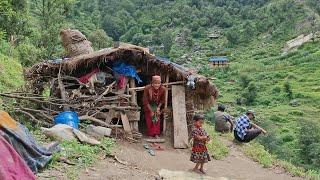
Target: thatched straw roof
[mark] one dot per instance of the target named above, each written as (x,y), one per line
(135,55)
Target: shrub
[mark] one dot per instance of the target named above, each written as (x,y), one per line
(100,39)
(288,90)
(250,94)
(209,115)
(28,54)
(244,81)
(296,113)
(276,118)
(276,89)
(288,138)
(309,142)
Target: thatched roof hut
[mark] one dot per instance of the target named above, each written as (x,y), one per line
(137,56)
(189,91)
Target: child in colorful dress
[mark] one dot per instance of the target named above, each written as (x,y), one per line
(200,137)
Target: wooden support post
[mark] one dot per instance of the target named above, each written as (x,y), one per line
(62,90)
(133,92)
(132,83)
(165,106)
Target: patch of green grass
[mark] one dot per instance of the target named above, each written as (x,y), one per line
(313,175)
(82,155)
(257,152)
(10,74)
(295,171)
(11,78)
(215,147)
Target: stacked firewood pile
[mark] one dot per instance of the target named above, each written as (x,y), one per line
(102,103)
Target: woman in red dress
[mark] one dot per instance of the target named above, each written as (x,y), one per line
(153,100)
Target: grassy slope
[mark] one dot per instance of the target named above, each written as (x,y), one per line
(10,74)
(270,70)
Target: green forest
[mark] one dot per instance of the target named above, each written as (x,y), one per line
(283,88)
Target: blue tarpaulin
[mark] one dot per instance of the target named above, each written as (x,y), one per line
(126,70)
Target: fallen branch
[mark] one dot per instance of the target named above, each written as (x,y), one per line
(42,113)
(86,117)
(31,99)
(65,160)
(116,159)
(34,119)
(106,91)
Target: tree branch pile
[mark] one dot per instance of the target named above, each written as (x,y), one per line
(99,104)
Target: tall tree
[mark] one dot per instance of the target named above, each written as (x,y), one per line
(51,17)
(100,39)
(13,19)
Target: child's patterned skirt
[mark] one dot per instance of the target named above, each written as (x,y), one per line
(200,154)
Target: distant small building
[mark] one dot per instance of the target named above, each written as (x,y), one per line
(214,36)
(219,61)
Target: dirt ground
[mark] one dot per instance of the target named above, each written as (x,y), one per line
(138,164)
(141,165)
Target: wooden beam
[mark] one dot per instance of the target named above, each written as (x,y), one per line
(126,124)
(164,84)
(166,97)
(180,128)
(166,105)
(62,91)
(155,140)
(132,83)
